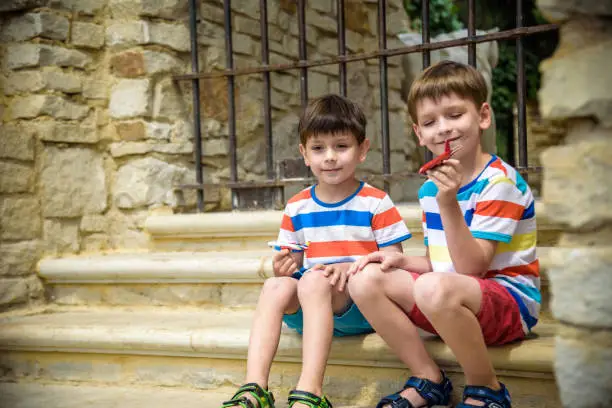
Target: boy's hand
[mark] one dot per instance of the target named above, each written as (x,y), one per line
(447,177)
(285,262)
(335,272)
(387,260)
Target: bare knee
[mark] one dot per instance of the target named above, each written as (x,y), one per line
(280,290)
(434,292)
(363,284)
(313,284)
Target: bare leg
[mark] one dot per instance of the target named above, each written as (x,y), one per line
(385,299)
(451,302)
(278,296)
(318,300)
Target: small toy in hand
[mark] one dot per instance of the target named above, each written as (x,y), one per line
(438,160)
(293,246)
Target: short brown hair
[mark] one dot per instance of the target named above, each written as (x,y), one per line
(445,78)
(332,114)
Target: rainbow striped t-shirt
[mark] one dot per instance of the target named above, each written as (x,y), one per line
(498,205)
(345,231)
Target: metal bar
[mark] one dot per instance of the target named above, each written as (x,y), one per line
(426,54)
(521,90)
(499,36)
(265,55)
(384,97)
(197,131)
(472,32)
(341,45)
(231,105)
(303,53)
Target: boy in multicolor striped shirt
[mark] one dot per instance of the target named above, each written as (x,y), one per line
(342,220)
(478,283)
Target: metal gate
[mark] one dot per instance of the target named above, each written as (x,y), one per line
(267,192)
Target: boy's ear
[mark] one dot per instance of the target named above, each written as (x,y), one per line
(485,116)
(365,147)
(417,131)
(303,153)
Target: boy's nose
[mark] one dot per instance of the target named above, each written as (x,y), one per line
(444,127)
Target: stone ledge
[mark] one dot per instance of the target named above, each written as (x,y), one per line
(224,334)
(265,223)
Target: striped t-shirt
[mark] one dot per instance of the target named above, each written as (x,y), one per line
(345,231)
(498,205)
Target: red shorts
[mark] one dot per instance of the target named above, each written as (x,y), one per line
(499,315)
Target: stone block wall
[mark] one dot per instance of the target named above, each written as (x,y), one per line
(95,134)
(577,90)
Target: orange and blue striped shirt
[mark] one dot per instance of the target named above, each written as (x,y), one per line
(345,231)
(499,206)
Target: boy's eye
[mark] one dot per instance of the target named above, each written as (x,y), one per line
(456,115)
(315,148)
(342,146)
(427,123)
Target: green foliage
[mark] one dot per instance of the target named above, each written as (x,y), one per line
(443,16)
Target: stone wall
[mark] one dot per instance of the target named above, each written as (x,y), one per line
(577,89)
(95,134)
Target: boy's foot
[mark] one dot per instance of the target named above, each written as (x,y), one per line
(303,399)
(420,393)
(479,396)
(251,396)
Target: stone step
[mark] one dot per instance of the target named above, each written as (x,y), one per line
(206,349)
(250,229)
(52,395)
(229,278)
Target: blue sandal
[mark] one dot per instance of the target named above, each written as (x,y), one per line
(435,394)
(491,398)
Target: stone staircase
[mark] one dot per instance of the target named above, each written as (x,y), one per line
(171,326)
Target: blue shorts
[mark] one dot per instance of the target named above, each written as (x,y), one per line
(349,323)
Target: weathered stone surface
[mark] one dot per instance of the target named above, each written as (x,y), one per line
(588,269)
(146,182)
(356,16)
(129,64)
(20,218)
(15,5)
(93,223)
(20,290)
(72,182)
(322,22)
(34,55)
(95,243)
(68,132)
(158,131)
(41,24)
(34,81)
(218,147)
(121,149)
(161,63)
(131,130)
(61,236)
(171,35)
(87,35)
(85,7)
(130,98)
(561,10)
(96,89)
(16,178)
(170,9)
(168,102)
(573,182)
(589,85)
(19,259)
(16,142)
(583,367)
(32,106)
(127,33)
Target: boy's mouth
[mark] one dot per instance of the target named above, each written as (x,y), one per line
(452,139)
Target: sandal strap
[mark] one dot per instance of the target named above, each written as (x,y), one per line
(255,390)
(310,399)
(433,393)
(394,401)
(491,398)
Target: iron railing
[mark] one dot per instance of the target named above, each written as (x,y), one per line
(382,54)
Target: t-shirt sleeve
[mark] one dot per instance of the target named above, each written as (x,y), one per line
(424,221)
(499,208)
(388,225)
(287,231)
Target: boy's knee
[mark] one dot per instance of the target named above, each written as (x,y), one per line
(434,291)
(363,283)
(312,283)
(278,287)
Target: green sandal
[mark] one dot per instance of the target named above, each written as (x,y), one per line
(308,399)
(263,398)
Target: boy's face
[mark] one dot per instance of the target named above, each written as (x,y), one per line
(451,117)
(333,158)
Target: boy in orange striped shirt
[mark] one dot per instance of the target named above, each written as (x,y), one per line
(341,219)
(478,283)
